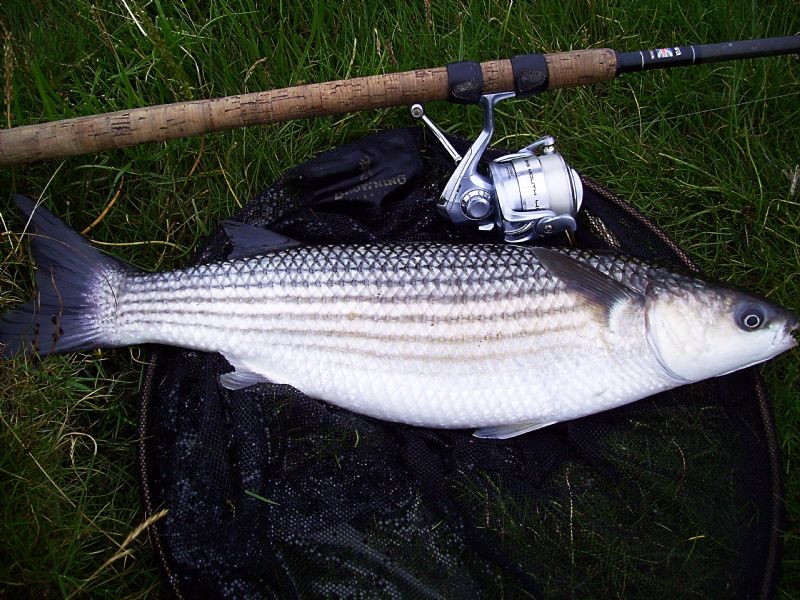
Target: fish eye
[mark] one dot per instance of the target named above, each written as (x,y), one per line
(750,318)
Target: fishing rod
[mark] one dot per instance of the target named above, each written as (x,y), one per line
(529,194)
(462,82)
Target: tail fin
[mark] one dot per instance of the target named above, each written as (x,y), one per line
(76,283)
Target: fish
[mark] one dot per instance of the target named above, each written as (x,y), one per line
(503,339)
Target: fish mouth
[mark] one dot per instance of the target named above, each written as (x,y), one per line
(790,329)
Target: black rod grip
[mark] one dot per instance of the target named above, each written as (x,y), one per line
(464,82)
(530,74)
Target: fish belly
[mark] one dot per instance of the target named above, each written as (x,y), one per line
(472,382)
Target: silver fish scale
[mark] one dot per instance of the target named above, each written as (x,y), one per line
(430,334)
(410,267)
(636,273)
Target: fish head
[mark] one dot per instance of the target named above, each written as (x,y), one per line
(697,330)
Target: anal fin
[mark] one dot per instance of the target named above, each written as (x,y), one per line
(243,374)
(503,432)
(238,379)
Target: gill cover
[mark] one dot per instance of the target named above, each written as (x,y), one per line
(699,331)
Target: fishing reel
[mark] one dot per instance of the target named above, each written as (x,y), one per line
(527,195)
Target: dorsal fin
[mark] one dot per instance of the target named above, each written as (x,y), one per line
(248,240)
(595,287)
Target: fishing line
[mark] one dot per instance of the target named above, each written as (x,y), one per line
(508,137)
(708,110)
(41,197)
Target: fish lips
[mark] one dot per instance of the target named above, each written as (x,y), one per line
(790,330)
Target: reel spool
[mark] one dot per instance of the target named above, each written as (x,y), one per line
(527,195)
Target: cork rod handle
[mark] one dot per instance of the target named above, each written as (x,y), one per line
(125,128)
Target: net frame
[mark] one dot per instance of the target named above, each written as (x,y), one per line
(596,220)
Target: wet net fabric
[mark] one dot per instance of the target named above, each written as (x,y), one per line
(272,494)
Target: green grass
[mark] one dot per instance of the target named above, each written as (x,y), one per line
(703,151)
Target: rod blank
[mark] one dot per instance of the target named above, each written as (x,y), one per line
(679,56)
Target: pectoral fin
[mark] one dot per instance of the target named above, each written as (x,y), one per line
(595,287)
(503,432)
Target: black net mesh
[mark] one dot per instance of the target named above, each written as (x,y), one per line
(272,494)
